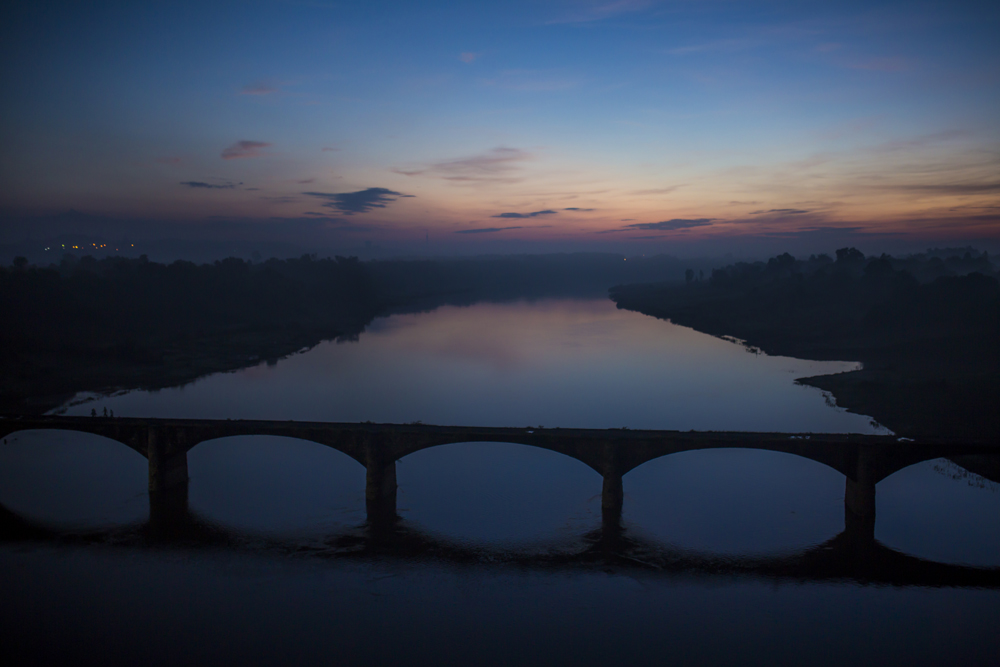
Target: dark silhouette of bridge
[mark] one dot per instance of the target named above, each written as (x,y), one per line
(864,460)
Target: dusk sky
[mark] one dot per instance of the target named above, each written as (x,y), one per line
(674,126)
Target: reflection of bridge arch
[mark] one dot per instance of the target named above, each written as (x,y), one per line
(275,440)
(849,556)
(863,460)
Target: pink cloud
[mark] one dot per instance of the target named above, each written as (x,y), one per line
(243,149)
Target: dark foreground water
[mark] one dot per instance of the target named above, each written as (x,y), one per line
(500,554)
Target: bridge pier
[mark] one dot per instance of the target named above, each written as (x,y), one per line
(168,479)
(612,497)
(859,497)
(380,487)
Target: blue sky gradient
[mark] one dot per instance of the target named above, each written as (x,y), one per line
(803,123)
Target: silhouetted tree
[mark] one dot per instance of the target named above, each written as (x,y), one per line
(850,256)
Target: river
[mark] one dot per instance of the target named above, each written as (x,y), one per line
(493,558)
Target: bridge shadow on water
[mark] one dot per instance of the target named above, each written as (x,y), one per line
(854,555)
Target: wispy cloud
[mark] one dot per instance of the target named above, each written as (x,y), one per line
(603,10)
(499,165)
(921,141)
(780,211)
(209,186)
(485,230)
(259,88)
(672,225)
(244,149)
(580,210)
(329,149)
(533,214)
(950,188)
(657,191)
(361,201)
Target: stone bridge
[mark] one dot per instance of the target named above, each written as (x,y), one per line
(864,460)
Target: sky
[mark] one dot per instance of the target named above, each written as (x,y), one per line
(686,127)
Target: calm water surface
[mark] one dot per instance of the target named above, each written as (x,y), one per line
(566,363)
(290,590)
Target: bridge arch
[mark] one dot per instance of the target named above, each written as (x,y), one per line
(274,485)
(901,463)
(497,491)
(832,462)
(325,443)
(70,477)
(934,511)
(126,437)
(406,449)
(731,501)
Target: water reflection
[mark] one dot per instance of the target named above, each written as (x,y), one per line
(498,501)
(73,480)
(938,511)
(511,496)
(278,486)
(735,501)
(570,363)
(848,556)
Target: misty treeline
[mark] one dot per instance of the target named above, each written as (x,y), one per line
(117,302)
(88,324)
(124,306)
(926,327)
(837,300)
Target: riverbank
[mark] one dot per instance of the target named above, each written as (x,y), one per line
(101,326)
(930,350)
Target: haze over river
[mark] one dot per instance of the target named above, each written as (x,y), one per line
(289,583)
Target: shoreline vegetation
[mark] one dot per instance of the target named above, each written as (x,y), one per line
(926,329)
(102,326)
